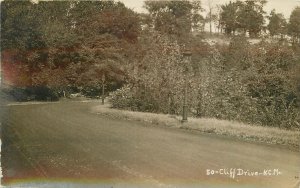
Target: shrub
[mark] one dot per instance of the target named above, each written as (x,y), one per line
(256,85)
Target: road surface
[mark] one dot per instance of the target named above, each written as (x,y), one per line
(65,144)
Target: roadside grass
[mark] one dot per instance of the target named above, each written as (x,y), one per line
(233,129)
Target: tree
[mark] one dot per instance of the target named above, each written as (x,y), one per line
(176,18)
(19,27)
(20,36)
(57,43)
(251,17)
(245,16)
(211,16)
(294,25)
(108,28)
(101,17)
(229,16)
(277,24)
(156,79)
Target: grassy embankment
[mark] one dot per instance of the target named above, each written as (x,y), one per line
(253,133)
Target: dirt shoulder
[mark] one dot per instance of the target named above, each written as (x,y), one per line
(268,135)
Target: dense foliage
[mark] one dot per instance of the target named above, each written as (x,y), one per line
(256,84)
(277,24)
(294,25)
(50,49)
(242,16)
(63,45)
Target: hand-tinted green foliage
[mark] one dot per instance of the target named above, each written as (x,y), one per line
(19,27)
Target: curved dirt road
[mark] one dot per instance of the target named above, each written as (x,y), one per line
(66,145)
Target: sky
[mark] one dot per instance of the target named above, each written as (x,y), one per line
(282,6)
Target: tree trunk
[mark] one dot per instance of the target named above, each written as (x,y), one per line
(210,20)
(103,91)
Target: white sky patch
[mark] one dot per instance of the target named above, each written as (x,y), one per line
(136,5)
(281,6)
